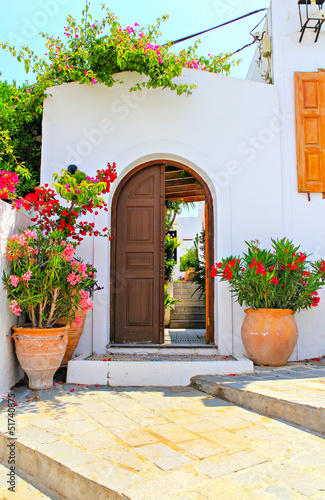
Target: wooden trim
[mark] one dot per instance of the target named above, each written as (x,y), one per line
(209,231)
(162,256)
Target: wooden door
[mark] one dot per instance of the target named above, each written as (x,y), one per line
(139,245)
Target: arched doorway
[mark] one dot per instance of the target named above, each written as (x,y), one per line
(137,256)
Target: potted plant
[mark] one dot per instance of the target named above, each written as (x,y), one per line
(45,283)
(274,285)
(190,263)
(171,243)
(45,280)
(200,272)
(169,304)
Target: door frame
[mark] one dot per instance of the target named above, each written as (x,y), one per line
(209,246)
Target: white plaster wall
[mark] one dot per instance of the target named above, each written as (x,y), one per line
(10,371)
(303,220)
(226,131)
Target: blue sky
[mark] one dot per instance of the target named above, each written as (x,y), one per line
(22,20)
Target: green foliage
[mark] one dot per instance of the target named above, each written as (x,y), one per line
(280,278)
(190,259)
(169,268)
(93,51)
(169,302)
(77,189)
(171,243)
(96,50)
(200,273)
(20,129)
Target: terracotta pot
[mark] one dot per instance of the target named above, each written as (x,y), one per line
(74,334)
(269,335)
(39,352)
(189,274)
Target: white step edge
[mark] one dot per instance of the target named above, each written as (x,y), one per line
(150,373)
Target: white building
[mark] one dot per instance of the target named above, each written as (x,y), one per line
(237,136)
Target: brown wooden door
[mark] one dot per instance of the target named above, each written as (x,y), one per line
(139,246)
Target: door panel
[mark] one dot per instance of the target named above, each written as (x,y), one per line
(138,255)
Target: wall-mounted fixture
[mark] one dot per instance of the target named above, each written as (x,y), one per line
(312,16)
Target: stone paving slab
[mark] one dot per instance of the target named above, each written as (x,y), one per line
(159,443)
(295,392)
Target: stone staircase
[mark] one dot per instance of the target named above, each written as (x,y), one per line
(190,312)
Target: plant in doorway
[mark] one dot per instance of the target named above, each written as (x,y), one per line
(274,284)
(200,272)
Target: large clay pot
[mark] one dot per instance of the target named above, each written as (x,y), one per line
(39,352)
(74,334)
(189,274)
(269,335)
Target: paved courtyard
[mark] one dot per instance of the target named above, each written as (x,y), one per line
(158,443)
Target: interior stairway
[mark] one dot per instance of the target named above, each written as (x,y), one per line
(190,312)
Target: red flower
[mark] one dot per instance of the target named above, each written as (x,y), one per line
(302,258)
(213,273)
(260,269)
(274,280)
(315,299)
(253,264)
(322,267)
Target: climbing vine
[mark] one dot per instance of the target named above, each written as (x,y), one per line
(94,51)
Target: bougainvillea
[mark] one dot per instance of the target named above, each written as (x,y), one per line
(281,278)
(84,195)
(8,183)
(45,279)
(96,50)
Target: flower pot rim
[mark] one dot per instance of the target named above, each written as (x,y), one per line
(27,327)
(269,309)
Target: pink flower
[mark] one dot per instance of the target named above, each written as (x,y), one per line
(30,234)
(68,252)
(85,72)
(86,303)
(14,280)
(26,277)
(93,80)
(77,322)
(15,307)
(73,279)
(27,91)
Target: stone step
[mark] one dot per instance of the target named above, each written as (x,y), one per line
(289,393)
(189,309)
(25,487)
(190,303)
(185,293)
(195,324)
(184,296)
(183,284)
(178,316)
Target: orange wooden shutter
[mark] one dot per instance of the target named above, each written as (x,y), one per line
(310,131)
